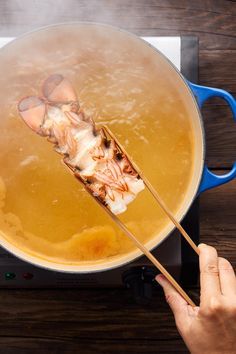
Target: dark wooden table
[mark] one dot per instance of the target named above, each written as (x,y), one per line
(106,321)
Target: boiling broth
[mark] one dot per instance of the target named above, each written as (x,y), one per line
(122,83)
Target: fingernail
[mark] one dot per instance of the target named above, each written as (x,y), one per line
(202,245)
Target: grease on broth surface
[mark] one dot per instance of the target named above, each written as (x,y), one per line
(43,209)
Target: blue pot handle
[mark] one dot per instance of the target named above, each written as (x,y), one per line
(202,93)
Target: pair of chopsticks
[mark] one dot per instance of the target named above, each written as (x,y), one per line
(132,237)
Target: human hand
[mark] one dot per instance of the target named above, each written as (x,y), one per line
(211,327)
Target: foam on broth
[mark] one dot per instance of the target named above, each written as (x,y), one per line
(126,85)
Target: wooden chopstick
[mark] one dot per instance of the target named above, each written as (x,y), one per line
(123,227)
(147,253)
(156,195)
(154,260)
(133,238)
(170,215)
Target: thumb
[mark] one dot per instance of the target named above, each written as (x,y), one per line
(177,304)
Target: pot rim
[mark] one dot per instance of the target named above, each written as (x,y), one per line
(98,266)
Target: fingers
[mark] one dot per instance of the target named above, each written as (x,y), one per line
(227,277)
(209,272)
(177,304)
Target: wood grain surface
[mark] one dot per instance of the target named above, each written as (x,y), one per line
(107,321)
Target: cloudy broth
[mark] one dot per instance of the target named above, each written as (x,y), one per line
(122,83)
